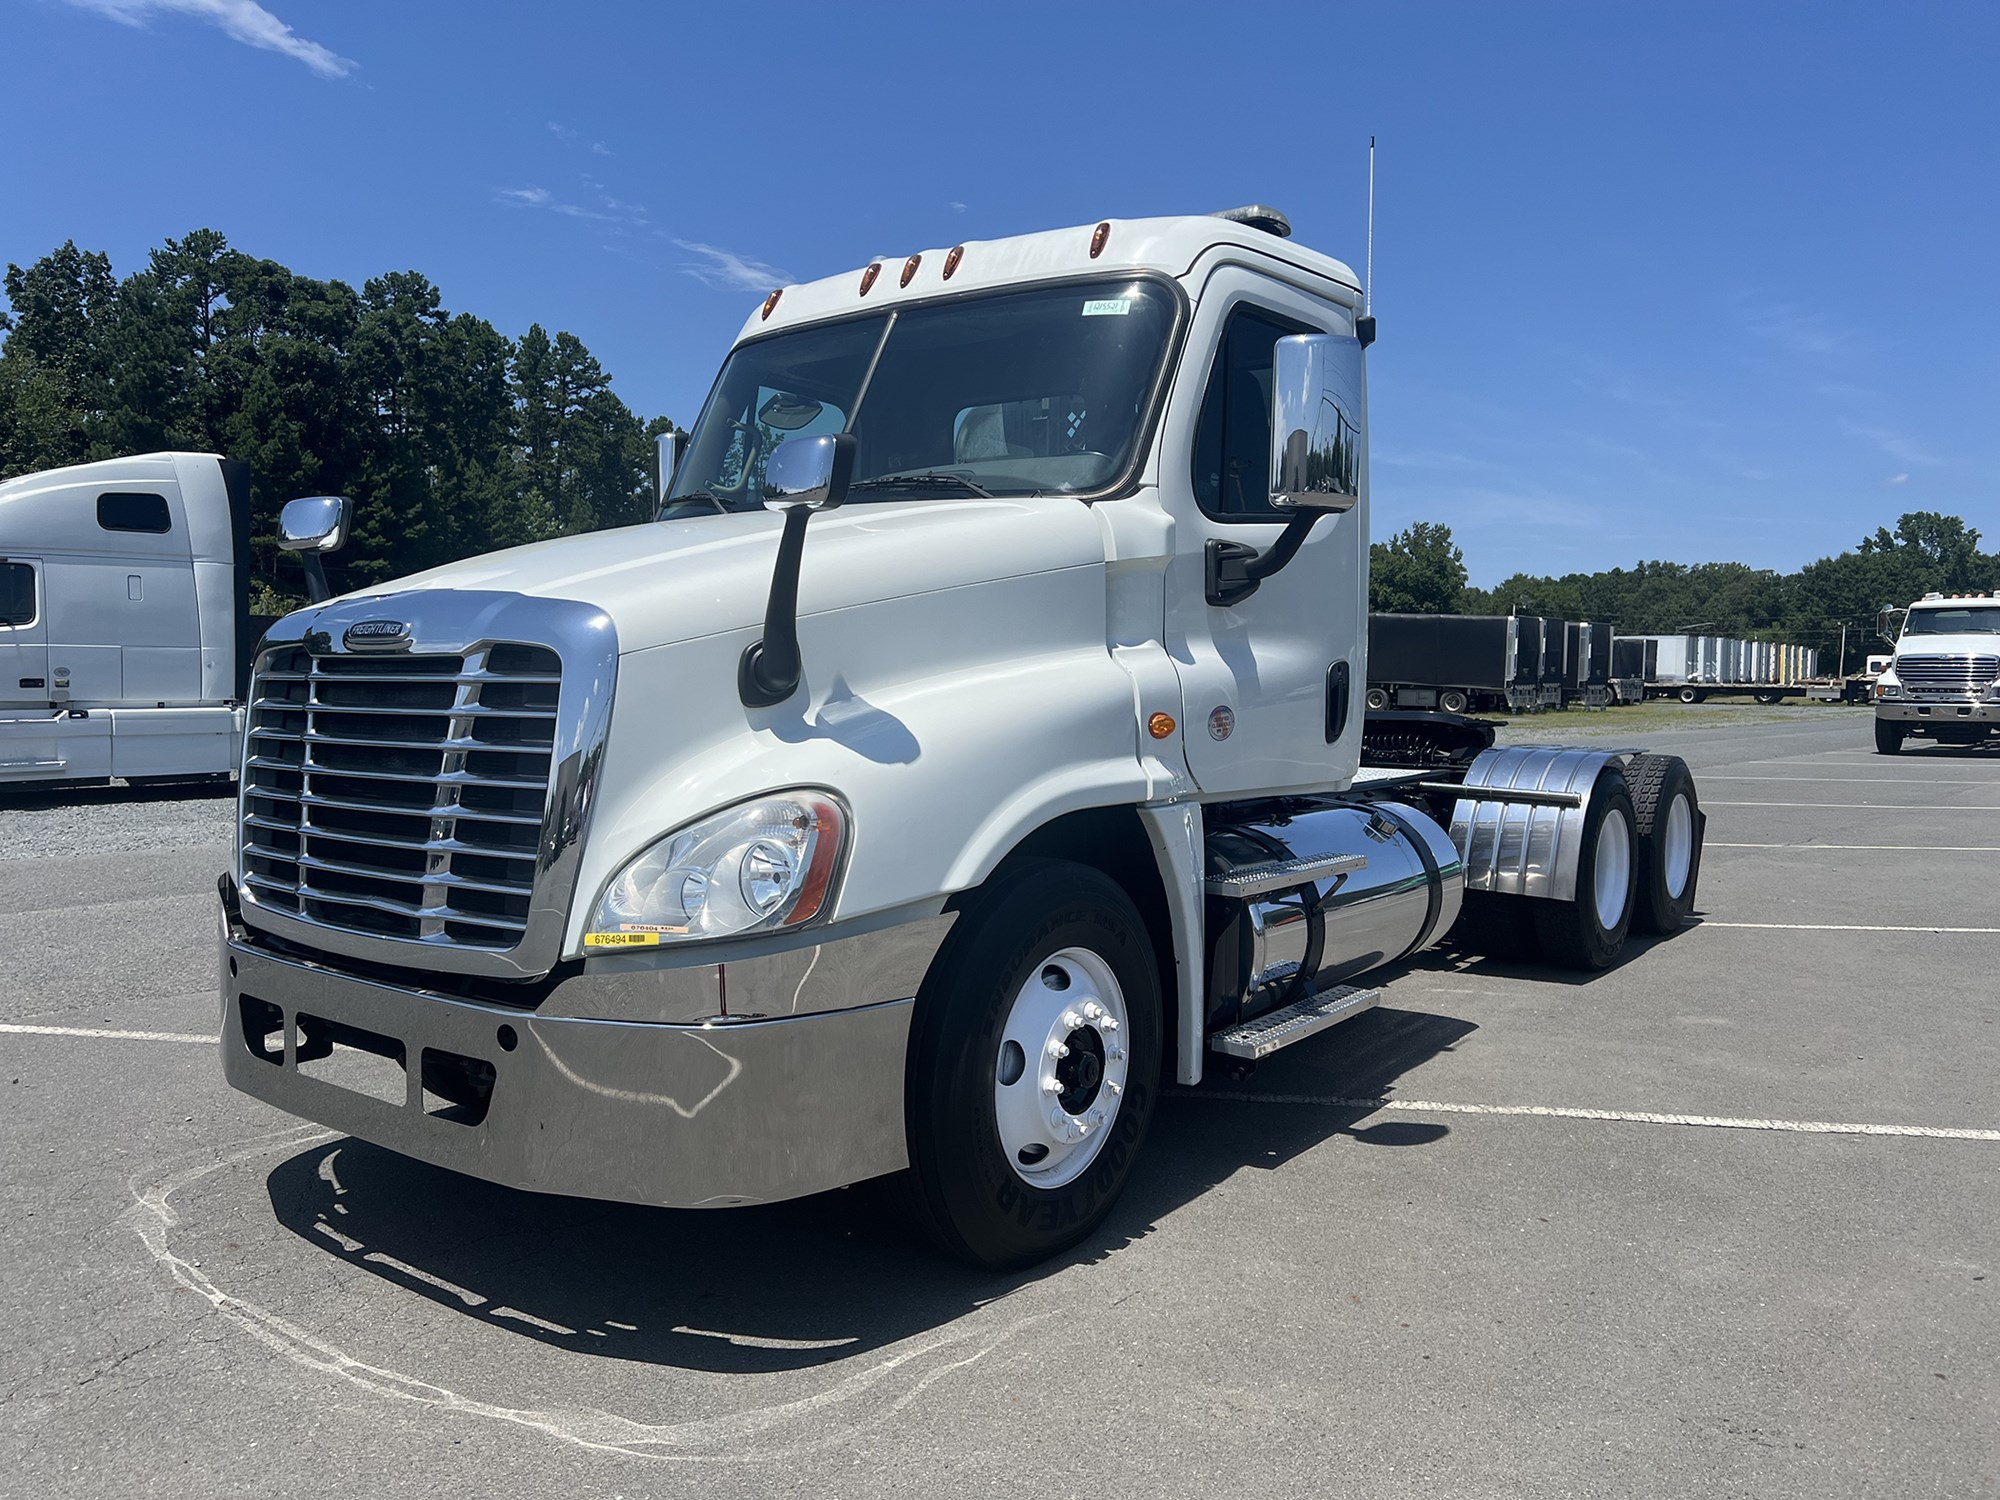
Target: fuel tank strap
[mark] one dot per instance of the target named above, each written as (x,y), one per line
(1432,878)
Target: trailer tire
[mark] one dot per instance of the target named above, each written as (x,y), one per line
(1589,933)
(1767,699)
(1888,737)
(1670,823)
(1041,928)
(1690,695)
(1454,701)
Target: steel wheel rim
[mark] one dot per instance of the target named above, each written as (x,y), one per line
(1612,876)
(1060,1071)
(1678,853)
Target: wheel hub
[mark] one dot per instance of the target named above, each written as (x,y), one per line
(1060,1074)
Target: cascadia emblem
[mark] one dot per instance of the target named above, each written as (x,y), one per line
(367,635)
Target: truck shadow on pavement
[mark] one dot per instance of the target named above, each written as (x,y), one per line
(795,1285)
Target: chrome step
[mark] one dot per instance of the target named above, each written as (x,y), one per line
(1282,875)
(1294,1023)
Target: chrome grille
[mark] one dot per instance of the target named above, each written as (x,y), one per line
(1940,673)
(401,796)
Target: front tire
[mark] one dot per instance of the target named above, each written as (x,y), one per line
(1888,737)
(1034,1065)
(1589,933)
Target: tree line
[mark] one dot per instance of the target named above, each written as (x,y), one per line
(451,438)
(1421,570)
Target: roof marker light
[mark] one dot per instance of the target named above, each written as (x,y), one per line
(910,269)
(1097,238)
(951,260)
(868,277)
(771,302)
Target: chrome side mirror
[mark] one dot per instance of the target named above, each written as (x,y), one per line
(809,473)
(316,524)
(1316,423)
(313,527)
(670,446)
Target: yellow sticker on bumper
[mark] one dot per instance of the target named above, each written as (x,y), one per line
(621,940)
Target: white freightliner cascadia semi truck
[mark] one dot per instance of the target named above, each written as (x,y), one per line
(729,859)
(1943,683)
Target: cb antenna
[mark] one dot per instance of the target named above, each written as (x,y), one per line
(1364,326)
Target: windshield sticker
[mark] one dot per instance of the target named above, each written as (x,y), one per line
(1108,307)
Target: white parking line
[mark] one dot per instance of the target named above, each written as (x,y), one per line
(1857,780)
(1950,807)
(1628,1116)
(106,1033)
(1831,927)
(1876,848)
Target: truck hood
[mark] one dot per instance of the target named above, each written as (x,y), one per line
(675,581)
(1947,645)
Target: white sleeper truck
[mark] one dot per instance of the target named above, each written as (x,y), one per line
(1943,683)
(124,628)
(733,858)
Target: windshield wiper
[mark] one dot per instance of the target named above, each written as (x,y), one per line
(698,496)
(919,482)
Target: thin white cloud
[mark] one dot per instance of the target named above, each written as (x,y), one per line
(244,21)
(598,148)
(725,268)
(526,197)
(955,206)
(1898,446)
(613,211)
(561,131)
(1800,330)
(1895,479)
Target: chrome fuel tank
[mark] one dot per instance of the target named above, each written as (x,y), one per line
(1328,929)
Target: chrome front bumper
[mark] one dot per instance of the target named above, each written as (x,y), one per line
(678,1115)
(1916,711)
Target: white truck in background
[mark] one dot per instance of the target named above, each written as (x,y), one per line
(125,632)
(1943,682)
(724,860)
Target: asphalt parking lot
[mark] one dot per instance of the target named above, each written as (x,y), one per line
(1721,1221)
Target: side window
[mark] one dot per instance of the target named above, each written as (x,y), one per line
(1232,436)
(122,512)
(17,594)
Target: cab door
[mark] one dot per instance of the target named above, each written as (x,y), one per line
(24,648)
(1271,683)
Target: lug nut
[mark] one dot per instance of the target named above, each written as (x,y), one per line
(1114,1087)
(1049,1084)
(1058,1049)
(1071,1020)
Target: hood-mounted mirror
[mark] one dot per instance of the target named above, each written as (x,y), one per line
(802,475)
(312,527)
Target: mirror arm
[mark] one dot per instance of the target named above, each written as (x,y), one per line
(318,591)
(1235,570)
(769,670)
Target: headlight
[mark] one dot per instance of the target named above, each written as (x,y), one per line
(1888,687)
(758,867)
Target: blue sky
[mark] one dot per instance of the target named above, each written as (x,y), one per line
(1672,281)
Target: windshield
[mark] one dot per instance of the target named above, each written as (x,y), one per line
(1975,619)
(1031,392)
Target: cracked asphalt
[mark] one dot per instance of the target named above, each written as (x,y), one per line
(1447,1294)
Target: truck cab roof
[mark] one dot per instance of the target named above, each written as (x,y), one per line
(1109,248)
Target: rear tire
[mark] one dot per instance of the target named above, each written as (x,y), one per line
(1453,701)
(1589,932)
(1689,695)
(1888,737)
(1005,1180)
(1497,926)
(1670,824)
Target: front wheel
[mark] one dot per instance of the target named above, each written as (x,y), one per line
(1888,737)
(1034,1064)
